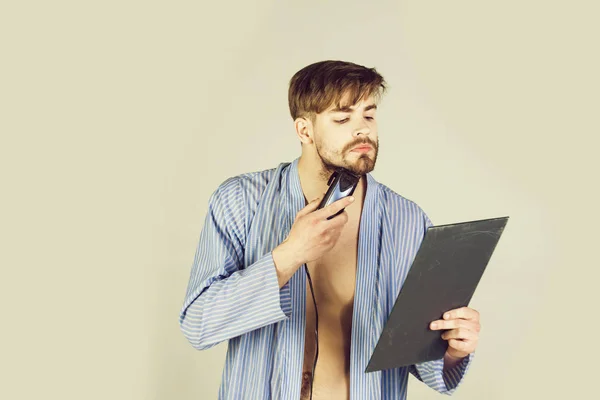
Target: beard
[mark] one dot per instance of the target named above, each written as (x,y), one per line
(332,160)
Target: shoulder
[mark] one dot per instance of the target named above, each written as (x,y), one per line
(242,192)
(254,184)
(249,185)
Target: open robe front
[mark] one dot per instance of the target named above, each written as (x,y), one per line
(233,293)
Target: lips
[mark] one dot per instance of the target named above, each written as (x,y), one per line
(362,147)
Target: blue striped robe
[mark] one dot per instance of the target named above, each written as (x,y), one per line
(233,293)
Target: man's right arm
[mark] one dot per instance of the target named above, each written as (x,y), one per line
(223,299)
(285,264)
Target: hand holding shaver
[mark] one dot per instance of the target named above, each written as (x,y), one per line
(341,184)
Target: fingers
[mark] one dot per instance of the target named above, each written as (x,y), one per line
(338,222)
(465,346)
(460,334)
(310,207)
(463,312)
(334,207)
(455,323)
(462,329)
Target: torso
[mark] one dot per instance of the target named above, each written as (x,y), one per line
(333,278)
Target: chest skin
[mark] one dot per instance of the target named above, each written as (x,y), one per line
(334,280)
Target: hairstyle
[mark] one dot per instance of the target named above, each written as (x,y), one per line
(317,86)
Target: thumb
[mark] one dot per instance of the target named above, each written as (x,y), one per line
(310,207)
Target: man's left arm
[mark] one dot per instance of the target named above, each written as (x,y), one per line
(461,329)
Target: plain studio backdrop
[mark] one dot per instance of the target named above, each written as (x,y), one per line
(120,118)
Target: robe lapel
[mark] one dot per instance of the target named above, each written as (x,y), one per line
(367,310)
(290,343)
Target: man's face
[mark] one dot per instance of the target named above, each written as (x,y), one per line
(347,137)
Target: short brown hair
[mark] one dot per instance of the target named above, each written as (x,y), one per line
(318,86)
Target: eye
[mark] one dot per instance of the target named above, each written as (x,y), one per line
(341,121)
(370,118)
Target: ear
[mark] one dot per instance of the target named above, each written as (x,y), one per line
(304,130)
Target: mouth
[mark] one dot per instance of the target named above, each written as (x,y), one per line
(363,148)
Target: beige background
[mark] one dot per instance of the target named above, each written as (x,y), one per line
(119,119)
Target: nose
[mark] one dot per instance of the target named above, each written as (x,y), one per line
(363,128)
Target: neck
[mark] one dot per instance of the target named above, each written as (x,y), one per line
(313,180)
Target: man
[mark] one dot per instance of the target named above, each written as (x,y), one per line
(247,285)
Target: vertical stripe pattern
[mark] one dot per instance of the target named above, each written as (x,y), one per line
(233,294)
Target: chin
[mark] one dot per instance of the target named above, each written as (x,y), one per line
(361,166)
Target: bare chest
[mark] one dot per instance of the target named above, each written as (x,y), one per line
(334,279)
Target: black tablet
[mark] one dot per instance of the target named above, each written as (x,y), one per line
(443,276)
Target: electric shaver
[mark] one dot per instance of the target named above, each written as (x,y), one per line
(341,184)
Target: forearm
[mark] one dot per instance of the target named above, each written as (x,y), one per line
(286,263)
(246,300)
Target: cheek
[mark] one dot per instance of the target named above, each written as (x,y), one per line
(332,138)
(373,128)
(332,147)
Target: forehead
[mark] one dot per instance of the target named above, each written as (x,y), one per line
(345,104)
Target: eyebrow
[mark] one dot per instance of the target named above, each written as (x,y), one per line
(349,109)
